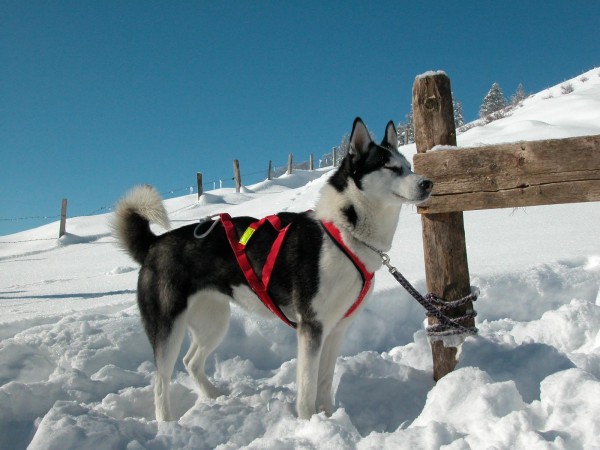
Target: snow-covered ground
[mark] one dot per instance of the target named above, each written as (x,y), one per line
(76,367)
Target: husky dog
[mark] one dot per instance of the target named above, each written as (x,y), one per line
(187,282)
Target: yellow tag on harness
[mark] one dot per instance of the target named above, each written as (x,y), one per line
(247,235)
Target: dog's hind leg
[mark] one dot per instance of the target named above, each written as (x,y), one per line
(165,355)
(329,354)
(310,343)
(208,320)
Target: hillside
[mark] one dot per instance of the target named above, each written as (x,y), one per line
(76,367)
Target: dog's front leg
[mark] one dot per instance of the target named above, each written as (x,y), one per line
(329,354)
(310,344)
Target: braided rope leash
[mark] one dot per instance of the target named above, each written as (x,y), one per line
(437,307)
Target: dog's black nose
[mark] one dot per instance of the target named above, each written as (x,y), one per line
(426,185)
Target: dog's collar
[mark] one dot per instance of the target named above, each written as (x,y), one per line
(385,258)
(381,253)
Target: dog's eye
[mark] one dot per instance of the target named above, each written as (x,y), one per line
(395,169)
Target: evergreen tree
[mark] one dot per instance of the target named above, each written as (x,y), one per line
(493,101)
(518,96)
(459,119)
(407,135)
(400,133)
(342,149)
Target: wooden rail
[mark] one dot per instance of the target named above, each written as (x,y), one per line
(512,175)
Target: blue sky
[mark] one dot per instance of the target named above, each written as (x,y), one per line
(97,96)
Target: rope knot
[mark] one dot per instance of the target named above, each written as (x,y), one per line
(438,307)
(454,325)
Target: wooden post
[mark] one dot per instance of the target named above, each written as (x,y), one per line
(199,181)
(334,156)
(290,162)
(236,175)
(270,172)
(63,218)
(446,265)
(311,162)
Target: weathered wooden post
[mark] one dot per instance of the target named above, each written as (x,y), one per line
(446,266)
(290,163)
(311,162)
(63,218)
(334,156)
(199,181)
(270,171)
(237,176)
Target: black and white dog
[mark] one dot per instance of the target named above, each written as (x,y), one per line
(189,282)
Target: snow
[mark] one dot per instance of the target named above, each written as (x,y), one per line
(76,368)
(430,73)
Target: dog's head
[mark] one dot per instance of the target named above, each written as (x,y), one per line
(380,171)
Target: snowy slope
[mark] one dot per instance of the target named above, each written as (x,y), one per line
(76,367)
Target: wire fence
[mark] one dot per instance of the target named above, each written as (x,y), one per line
(225,182)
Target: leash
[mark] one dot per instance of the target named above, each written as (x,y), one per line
(436,306)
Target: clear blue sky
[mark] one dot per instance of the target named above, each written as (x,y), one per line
(97,96)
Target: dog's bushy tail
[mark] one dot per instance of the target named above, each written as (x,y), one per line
(133,215)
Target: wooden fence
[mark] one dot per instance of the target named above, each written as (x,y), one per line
(492,176)
(237,176)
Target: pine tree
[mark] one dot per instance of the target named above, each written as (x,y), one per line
(405,131)
(400,133)
(409,129)
(342,149)
(493,101)
(459,119)
(518,96)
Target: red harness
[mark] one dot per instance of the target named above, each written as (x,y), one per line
(260,286)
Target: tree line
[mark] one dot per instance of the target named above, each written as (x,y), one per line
(494,106)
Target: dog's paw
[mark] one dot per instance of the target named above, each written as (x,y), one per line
(212,392)
(328,410)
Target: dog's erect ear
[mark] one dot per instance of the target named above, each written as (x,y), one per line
(391,137)
(359,139)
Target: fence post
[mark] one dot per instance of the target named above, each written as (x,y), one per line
(270,172)
(446,265)
(199,181)
(311,162)
(236,175)
(290,161)
(334,156)
(63,218)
